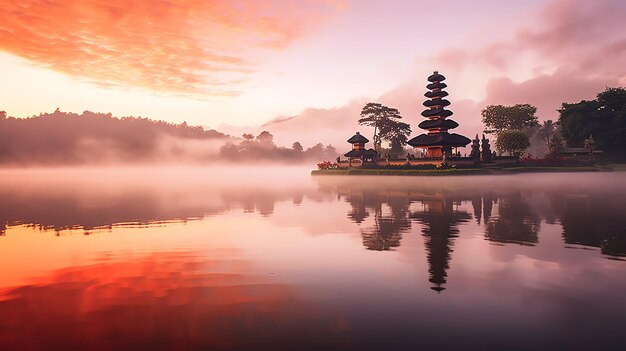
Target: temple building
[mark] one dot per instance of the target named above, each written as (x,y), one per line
(438,141)
(359,152)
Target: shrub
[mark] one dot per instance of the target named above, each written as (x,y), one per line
(513,141)
(326,165)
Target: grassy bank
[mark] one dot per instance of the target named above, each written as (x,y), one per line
(551,169)
(400,172)
(451,172)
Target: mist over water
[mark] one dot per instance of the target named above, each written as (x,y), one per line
(237,257)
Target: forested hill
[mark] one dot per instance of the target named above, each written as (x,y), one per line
(62,138)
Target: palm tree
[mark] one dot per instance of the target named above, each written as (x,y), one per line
(546,130)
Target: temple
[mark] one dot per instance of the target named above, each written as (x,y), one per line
(438,141)
(359,152)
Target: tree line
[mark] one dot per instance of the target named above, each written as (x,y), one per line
(64,138)
(262,148)
(599,123)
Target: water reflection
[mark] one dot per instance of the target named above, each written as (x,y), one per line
(90,200)
(595,220)
(440,225)
(515,222)
(508,215)
(161,301)
(323,263)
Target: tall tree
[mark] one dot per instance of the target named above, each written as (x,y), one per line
(397,134)
(545,131)
(499,118)
(384,120)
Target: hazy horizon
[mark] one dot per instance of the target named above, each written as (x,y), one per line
(316,61)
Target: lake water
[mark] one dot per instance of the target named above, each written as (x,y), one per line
(254,258)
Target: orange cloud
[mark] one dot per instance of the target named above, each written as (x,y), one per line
(188,47)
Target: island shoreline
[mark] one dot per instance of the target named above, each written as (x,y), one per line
(456,171)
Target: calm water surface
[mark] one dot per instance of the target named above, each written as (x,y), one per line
(275,259)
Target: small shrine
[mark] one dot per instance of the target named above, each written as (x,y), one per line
(359,152)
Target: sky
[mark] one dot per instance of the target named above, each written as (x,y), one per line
(237,64)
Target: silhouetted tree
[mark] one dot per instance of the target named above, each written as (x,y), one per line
(604,118)
(384,120)
(265,137)
(546,130)
(397,134)
(555,145)
(297,147)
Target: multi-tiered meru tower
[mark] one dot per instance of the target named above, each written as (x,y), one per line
(438,141)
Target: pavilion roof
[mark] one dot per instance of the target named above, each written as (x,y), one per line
(361,153)
(358,138)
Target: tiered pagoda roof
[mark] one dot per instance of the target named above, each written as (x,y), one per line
(437,125)
(358,141)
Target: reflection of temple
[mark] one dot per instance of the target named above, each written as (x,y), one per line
(439,216)
(483,206)
(440,222)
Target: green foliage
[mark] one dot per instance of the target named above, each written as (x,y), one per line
(514,142)
(387,126)
(499,118)
(604,118)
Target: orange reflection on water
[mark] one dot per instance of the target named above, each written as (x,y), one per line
(168,300)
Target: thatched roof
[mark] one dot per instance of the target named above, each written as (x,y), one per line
(361,153)
(436,102)
(436,77)
(442,139)
(432,86)
(438,123)
(358,138)
(436,94)
(437,112)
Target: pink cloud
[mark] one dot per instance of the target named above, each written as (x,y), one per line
(577,49)
(546,92)
(189,47)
